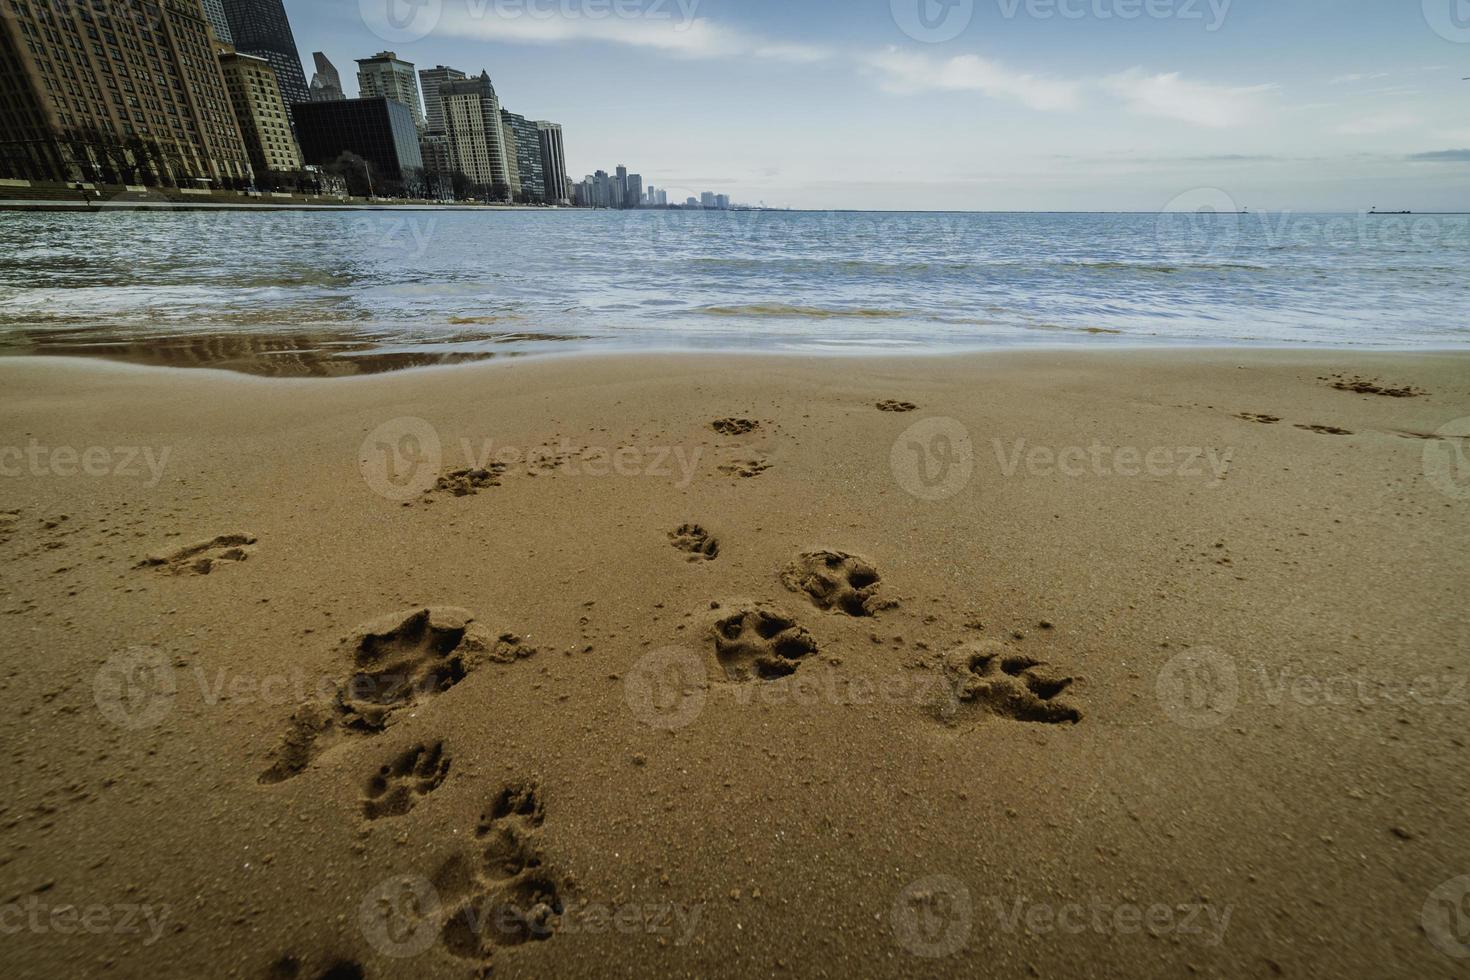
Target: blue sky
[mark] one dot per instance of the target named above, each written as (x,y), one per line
(968,104)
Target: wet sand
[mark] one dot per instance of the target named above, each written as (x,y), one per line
(1111,663)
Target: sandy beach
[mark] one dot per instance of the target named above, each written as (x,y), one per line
(1096,663)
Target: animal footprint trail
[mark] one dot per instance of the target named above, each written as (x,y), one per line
(992,679)
(396,664)
(761,643)
(203,557)
(1326,430)
(835,580)
(395,788)
(696,541)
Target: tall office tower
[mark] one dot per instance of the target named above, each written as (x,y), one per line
(260,27)
(602,190)
(472,124)
(621,184)
(326,84)
(553,162)
(384,75)
(722,201)
(433,80)
(214,12)
(634,197)
(381,131)
(80,105)
(260,112)
(523,145)
(707,200)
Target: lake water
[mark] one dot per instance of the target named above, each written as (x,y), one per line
(336,292)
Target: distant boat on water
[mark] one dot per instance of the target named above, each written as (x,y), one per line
(1376,211)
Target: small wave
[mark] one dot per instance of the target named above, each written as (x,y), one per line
(802,312)
(483,321)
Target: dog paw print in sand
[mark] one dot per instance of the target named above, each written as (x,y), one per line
(695,541)
(989,678)
(746,469)
(761,643)
(835,580)
(204,557)
(393,790)
(1326,430)
(889,405)
(397,663)
(735,427)
(1257,417)
(468,483)
(502,895)
(1371,386)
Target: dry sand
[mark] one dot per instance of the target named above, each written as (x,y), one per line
(852,691)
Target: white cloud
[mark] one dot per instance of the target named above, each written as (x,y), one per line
(1359,77)
(907,73)
(695,38)
(1385,122)
(1171,96)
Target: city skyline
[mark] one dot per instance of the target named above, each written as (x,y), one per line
(1313,106)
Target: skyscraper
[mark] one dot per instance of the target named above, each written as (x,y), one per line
(214,12)
(620,188)
(261,113)
(523,150)
(707,200)
(79,109)
(434,79)
(381,131)
(553,161)
(634,197)
(472,123)
(384,75)
(326,84)
(260,27)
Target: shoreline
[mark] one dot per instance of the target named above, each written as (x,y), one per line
(505,360)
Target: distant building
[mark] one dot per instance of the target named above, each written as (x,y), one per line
(380,130)
(65,118)
(214,12)
(620,188)
(706,200)
(261,28)
(434,79)
(634,197)
(438,165)
(722,201)
(260,113)
(691,203)
(553,162)
(326,84)
(523,151)
(472,123)
(386,76)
